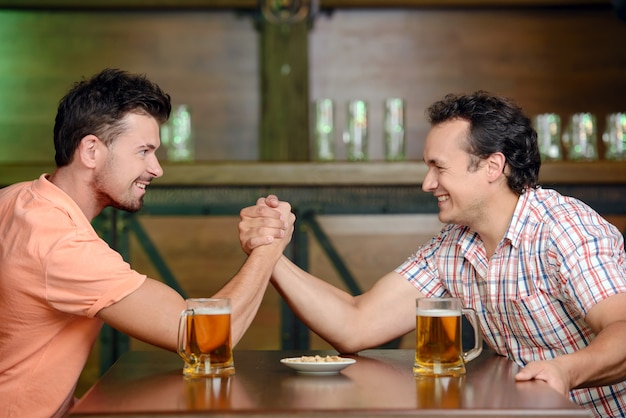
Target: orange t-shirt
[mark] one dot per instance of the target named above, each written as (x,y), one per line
(55,275)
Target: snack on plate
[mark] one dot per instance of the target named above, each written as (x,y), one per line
(317,359)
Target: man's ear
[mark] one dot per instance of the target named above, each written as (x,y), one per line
(89,150)
(496,164)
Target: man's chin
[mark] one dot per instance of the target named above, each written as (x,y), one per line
(131,208)
(444,219)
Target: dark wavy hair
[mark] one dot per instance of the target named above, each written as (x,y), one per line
(496,125)
(98,105)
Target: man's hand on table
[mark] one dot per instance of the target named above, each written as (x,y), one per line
(548,371)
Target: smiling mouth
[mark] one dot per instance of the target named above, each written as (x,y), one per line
(141,185)
(443,198)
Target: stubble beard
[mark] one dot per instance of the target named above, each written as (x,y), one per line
(128,206)
(126,202)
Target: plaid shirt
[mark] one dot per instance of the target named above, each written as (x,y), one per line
(557,259)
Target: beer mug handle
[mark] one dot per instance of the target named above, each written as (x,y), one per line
(478,336)
(182,333)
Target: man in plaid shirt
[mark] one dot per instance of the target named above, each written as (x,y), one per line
(545,273)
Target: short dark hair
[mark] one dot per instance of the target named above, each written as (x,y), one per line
(496,125)
(97,106)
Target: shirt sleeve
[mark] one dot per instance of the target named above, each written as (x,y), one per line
(84,275)
(421,269)
(593,263)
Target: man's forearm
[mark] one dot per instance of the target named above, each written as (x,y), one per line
(247,288)
(603,362)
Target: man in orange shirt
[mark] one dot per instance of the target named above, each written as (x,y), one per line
(59,282)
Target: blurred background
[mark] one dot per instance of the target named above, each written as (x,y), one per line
(249,70)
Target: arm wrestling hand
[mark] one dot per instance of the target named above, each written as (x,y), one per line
(548,371)
(264,222)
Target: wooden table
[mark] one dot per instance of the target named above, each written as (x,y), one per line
(380,384)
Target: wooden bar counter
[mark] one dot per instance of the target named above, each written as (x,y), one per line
(372,187)
(379,384)
(205,188)
(332,173)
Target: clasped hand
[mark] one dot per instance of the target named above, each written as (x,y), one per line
(263,223)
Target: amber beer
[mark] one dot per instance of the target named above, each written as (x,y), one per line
(204,338)
(438,346)
(438,341)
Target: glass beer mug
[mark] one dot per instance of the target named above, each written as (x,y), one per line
(395,144)
(204,338)
(614,137)
(581,137)
(438,348)
(356,137)
(324,130)
(548,127)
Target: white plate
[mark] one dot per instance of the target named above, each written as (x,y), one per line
(321,368)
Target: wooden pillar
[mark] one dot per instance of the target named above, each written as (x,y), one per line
(284,84)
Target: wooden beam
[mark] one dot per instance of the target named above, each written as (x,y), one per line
(128,4)
(284,83)
(333,173)
(254,4)
(332,4)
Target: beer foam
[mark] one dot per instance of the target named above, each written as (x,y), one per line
(437,312)
(211,311)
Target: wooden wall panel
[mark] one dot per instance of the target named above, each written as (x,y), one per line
(548,60)
(560,59)
(205,59)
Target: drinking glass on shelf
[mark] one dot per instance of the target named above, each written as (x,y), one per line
(177,135)
(581,138)
(356,137)
(395,146)
(548,127)
(614,137)
(323,130)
